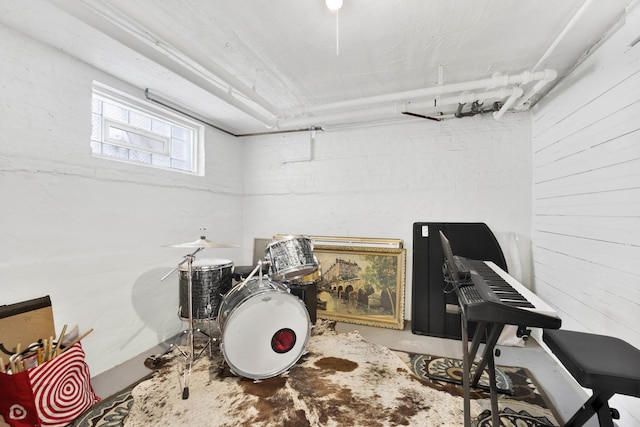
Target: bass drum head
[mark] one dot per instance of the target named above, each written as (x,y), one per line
(265,335)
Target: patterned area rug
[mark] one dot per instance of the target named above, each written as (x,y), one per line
(109,412)
(343,380)
(521,401)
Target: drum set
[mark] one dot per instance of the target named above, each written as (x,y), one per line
(264,329)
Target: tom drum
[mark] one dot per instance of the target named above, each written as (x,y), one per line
(291,258)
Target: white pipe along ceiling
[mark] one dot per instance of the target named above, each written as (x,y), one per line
(432,93)
(259,67)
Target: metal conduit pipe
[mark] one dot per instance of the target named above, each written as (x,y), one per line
(517,93)
(562,34)
(496,81)
(463,98)
(477,108)
(525,102)
(220,83)
(512,93)
(334,118)
(396,109)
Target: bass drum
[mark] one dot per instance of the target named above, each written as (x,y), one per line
(265,329)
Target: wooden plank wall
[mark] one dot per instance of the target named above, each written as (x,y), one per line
(586,192)
(586,195)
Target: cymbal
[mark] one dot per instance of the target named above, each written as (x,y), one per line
(202,242)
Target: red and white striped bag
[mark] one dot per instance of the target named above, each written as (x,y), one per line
(51,394)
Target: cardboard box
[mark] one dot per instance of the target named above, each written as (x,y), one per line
(25,323)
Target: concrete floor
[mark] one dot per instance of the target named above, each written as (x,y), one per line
(564,392)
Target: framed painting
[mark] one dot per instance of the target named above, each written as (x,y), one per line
(356,241)
(361,284)
(349,241)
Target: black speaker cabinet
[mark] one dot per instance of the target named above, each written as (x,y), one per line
(309,295)
(428,309)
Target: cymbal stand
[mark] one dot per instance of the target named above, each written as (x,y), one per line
(189,355)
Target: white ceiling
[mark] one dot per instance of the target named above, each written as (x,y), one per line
(252,66)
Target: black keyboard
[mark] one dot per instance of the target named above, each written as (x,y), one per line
(496,297)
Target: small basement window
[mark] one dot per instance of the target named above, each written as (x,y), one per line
(126,129)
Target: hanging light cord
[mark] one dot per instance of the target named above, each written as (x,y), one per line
(334,6)
(337,34)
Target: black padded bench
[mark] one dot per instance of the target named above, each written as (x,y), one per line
(606,365)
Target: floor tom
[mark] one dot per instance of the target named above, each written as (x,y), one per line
(210,280)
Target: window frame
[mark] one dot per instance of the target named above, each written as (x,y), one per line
(129,103)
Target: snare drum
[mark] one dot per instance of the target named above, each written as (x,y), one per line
(210,280)
(291,257)
(264,328)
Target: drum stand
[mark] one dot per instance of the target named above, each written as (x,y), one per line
(190,354)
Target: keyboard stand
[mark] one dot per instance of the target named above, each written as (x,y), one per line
(479,303)
(468,356)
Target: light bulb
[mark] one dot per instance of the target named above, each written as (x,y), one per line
(334,5)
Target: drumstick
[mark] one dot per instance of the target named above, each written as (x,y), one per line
(2,364)
(12,364)
(64,329)
(17,358)
(50,349)
(77,340)
(18,363)
(45,345)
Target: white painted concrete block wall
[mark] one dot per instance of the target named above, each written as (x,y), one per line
(377,181)
(89,232)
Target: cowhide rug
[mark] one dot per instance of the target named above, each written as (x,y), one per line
(343,380)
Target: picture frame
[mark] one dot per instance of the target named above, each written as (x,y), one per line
(349,241)
(356,242)
(361,284)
